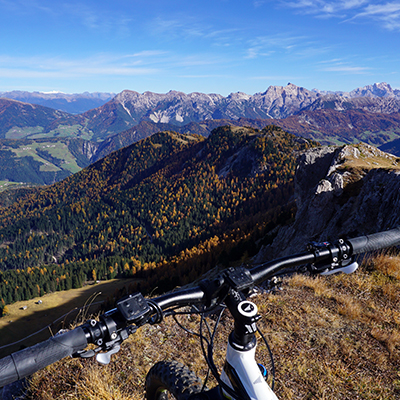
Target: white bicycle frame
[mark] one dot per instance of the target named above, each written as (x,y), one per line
(245,368)
(249,373)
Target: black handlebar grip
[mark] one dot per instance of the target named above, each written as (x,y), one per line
(27,361)
(375,241)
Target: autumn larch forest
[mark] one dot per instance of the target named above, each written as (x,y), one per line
(167,209)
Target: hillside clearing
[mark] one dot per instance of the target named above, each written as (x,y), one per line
(20,322)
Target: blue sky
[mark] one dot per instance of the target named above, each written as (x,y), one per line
(218,46)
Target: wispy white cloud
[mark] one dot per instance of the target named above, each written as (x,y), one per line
(197,60)
(339,65)
(98,19)
(344,65)
(259,3)
(295,45)
(50,67)
(331,61)
(224,76)
(77,13)
(26,6)
(265,46)
(386,13)
(149,53)
(325,7)
(179,26)
(353,70)
(186,28)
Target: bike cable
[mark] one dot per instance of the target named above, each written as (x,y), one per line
(271,358)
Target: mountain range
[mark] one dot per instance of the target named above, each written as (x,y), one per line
(76,103)
(369,114)
(128,108)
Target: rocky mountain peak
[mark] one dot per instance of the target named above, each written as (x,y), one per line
(282,101)
(126,95)
(382,89)
(239,96)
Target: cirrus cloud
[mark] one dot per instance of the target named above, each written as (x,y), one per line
(388,14)
(385,13)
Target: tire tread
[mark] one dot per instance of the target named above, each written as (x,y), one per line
(173,376)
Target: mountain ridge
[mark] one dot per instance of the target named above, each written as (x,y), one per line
(324,125)
(276,102)
(149,202)
(369,114)
(128,108)
(74,103)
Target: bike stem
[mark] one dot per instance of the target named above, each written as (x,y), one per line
(245,315)
(241,372)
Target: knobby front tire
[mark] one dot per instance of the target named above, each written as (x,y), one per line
(170,378)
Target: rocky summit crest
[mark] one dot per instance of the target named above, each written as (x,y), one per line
(341,191)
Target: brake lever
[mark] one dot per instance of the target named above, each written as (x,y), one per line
(347,269)
(101,357)
(105,358)
(104,352)
(345,266)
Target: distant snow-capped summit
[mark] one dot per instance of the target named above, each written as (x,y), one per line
(382,89)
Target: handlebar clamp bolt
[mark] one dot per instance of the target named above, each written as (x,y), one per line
(335,259)
(99,342)
(113,335)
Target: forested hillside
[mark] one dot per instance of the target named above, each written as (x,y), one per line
(147,209)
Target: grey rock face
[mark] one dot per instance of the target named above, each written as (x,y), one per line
(382,89)
(180,108)
(335,200)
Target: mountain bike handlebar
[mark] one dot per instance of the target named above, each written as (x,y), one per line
(376,241)
(116,325)
(27,361)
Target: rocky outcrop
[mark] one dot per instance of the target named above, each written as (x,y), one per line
(340,191)
(89,149)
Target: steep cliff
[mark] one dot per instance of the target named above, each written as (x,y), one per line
(340,191)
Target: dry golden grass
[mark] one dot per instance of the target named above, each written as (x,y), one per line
(332,337)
